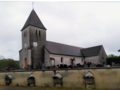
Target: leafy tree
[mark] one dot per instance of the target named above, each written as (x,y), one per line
(113,56)
(10,63)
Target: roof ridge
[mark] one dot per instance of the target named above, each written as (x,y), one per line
(64,44)
(93,47)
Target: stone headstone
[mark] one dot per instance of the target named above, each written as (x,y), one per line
(116,65)
(43,66)
(86,65)
(92,65)
(113,63)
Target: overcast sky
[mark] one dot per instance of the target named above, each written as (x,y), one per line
(82,24)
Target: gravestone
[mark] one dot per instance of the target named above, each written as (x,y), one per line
(92,65)
(115,65)
(86,65)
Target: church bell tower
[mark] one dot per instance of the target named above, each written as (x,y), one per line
(33,41)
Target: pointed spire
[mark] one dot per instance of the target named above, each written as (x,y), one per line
(34,20)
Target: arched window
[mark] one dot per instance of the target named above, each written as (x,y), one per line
(39,33)
(61,59)
(36,32)
(82,60)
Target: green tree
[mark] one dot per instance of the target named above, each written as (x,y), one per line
(11,63)
(113,56)
(8,63)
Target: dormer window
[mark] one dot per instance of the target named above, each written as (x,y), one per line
(36,32)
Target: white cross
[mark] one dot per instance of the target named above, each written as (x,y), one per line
(32,5)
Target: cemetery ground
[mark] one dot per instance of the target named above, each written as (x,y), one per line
(46,88)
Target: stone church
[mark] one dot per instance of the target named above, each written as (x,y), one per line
(38,52)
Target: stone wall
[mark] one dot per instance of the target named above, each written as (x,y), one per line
(104,77)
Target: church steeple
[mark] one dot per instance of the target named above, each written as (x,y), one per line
(34,20)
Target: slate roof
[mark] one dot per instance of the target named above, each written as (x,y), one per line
(34,20)
(62,49)
(92,51)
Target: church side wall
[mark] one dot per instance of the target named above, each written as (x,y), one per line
(93,59)
(66,59)
(102,55)
(21,59)
(107,78)
(97,59)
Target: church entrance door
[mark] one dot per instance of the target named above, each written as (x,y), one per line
(25,62)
